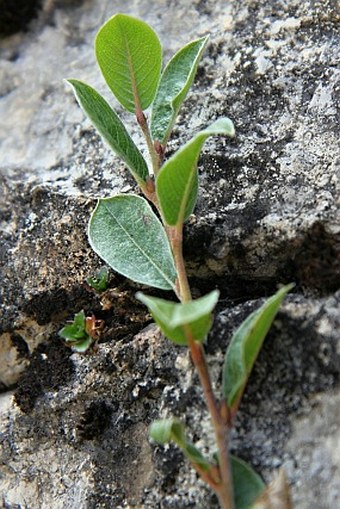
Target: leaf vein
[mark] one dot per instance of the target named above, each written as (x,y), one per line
(144,253)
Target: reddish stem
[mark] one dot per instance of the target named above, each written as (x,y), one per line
(224,489)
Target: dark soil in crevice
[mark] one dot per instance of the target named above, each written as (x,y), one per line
(96,419)
(235,290)
(117,307)
(50,368)
(45,307)
(311,260)
(313,273)
(317,260)
(15,15)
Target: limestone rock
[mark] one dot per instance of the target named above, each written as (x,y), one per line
(74,428)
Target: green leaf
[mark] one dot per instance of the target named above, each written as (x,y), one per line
(100,280)
(177,182)
(163,430)
(75,333)
(82,346)
(110,127)
(75,330)
(166,430)
(128,236)
(245,346)
(129,55)
(247,484)
(177,320)
(174,84)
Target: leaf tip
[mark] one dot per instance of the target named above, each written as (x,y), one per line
(223,126)
(69,81)
(289,287)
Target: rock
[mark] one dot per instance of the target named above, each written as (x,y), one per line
(74,428)
(15,16)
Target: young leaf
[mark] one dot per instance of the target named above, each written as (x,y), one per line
(177,320)
(177,182)
(129,55)
(165,430)
(245,346)
(173,87)
(75,330)
(247,484)
(99,280)
(75,333)
(128,236)
(162,431)
(111,128)
(83,345)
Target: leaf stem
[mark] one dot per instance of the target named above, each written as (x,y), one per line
(142,122)
(206,476)
(149,189)
(175,235)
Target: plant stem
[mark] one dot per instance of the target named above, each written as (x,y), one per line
(224,489)
(206,477)
(149,189)
(155,158)
(176,240)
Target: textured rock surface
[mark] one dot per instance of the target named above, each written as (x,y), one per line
(73,429)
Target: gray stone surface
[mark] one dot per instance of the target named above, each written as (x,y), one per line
(73,428)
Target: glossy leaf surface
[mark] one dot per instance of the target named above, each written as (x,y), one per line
(177,320)
(247,484)
(177,182)
(128,236)
(245,346)
(174,84)
(166,430)
(129,55)
(111,128)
